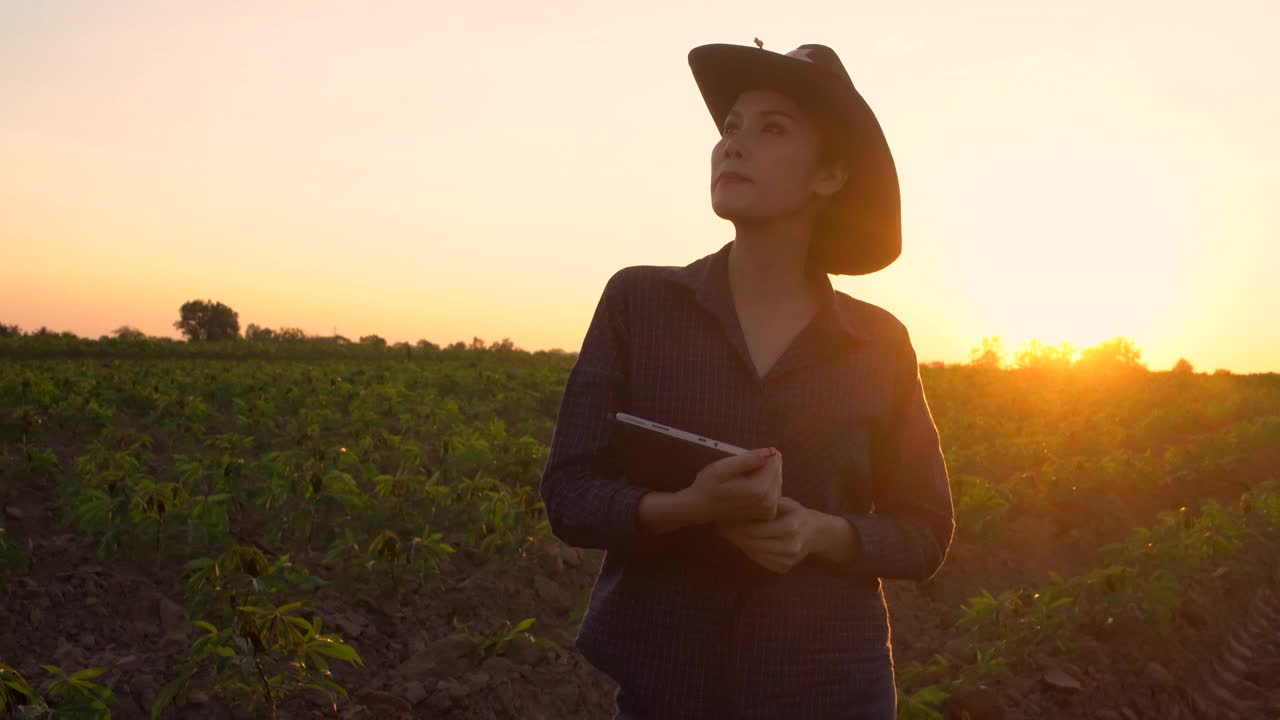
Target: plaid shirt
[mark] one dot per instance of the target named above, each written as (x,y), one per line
(686,624)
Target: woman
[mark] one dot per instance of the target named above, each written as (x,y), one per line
(714,600)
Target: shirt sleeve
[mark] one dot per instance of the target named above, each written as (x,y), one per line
(908,533)
(589,501)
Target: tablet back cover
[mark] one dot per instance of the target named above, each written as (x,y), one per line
(656,460)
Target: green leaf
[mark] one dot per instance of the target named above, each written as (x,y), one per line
(169,691)
(87,674)
(298,622)
(327,645)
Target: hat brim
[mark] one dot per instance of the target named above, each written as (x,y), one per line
(862,231)
(723,72)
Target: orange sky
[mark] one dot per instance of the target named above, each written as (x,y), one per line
(1069,171)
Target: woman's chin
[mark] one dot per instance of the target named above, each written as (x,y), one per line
(731,209)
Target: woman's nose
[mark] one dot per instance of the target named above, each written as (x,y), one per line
(731,147)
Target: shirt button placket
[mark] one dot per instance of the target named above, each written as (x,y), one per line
(762,415)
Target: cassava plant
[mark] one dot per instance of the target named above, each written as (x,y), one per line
(265,656)
(63,696)
(260,649)
(500,638)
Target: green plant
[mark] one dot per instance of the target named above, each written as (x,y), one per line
(501,637)
(978,503)
(42,462)
(989,614)
(427,550)
(921,689)
(1050,613)
(988,664)
(262,651)
(15,691)
(241,575)
(423,553)
(265,656)
(63,696)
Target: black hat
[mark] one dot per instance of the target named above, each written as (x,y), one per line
(861,230)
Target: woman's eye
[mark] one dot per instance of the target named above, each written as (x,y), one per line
(777,128)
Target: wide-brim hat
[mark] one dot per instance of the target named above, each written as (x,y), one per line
(860,232)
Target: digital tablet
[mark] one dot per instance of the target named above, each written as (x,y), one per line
(667,458)
(664,457)
(717,449)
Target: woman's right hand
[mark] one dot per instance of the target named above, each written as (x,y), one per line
(738,487)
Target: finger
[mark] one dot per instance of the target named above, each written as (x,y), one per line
(784,547)
(776,563)
(726,531)
(766,529)
(745,463)
(788,504)
(774,557)
(731,533)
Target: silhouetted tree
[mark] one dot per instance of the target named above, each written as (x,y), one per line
(263,334)
(1114,354)
(1038,356)
(427,345)
(990,355)
(207,320)
(373,340)
(1183,367)
(10,330)
(128,332)
(256,333)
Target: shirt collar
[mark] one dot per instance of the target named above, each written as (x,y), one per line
(708,277)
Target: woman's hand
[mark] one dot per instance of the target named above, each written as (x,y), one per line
(781,543)
(739,487)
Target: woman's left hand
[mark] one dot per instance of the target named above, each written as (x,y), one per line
(778,544)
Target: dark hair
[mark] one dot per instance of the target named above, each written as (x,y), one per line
(832,149)
(831,142)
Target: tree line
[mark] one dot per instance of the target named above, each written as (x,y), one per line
(1116,354)
(207,320)
(210,321)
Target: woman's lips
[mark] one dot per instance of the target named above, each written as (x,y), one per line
(731,177)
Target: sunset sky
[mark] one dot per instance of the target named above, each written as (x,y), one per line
(1070,171)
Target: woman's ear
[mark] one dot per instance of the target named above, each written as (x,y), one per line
(831,178)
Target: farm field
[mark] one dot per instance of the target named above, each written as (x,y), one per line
(356,532)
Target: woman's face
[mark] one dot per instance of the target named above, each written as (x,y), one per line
(769,140)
